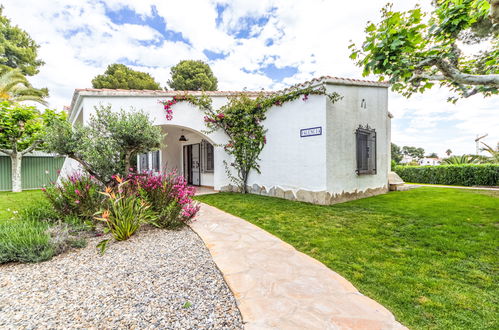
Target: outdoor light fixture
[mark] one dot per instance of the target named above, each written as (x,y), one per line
(182,137)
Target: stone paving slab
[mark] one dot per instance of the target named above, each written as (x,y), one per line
(277,287)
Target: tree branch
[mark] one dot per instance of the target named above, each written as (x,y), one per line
(453,74)
(32,147)
(5,151)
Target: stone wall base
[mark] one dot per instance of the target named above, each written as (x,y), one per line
(314,197)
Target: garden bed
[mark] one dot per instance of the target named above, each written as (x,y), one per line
(157,278)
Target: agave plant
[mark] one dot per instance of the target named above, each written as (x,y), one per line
(15,87)
(464,159)
(494,153)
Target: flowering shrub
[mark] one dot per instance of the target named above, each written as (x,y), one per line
(124,213)
(78,195)
(169,195)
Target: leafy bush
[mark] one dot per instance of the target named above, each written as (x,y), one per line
(78,195)
(463,175)
(170,197)
(25,241)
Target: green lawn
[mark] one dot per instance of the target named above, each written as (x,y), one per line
(17,201)
(430,255)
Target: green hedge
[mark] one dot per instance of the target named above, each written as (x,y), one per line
(460,175)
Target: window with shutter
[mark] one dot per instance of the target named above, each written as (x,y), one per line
(144,162)
(207,156)
(366,150)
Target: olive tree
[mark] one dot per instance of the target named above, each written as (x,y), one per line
(22,130)
(415,49)
(107,145)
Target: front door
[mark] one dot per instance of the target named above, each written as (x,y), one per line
(192,162)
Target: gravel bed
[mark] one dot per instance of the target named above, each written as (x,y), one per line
(148,281)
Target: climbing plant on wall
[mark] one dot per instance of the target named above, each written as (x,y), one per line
(242,120)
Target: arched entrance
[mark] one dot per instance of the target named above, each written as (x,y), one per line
(185,150)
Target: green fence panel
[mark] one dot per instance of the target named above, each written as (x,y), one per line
(36,172)
(5,176)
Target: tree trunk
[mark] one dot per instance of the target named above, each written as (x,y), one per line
(16,159)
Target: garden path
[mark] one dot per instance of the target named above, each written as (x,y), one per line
(277,287)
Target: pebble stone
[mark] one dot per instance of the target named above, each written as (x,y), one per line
(146,282)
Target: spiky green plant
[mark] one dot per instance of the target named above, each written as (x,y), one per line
(494,153)
(463,159)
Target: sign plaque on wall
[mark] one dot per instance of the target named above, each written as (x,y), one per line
(312,131)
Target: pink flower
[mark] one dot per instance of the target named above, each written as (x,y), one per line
(44,189)
(77,202)
(221,115)
(77,192)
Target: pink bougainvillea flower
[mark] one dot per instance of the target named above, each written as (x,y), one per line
(77,202)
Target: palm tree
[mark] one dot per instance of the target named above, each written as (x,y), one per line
(494,153)
(15,87)
(464,159)
(448,152)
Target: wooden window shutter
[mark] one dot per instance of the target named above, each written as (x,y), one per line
(366,150)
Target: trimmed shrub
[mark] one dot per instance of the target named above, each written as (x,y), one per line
(460,175)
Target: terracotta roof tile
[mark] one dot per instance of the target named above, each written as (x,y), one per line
(169,93)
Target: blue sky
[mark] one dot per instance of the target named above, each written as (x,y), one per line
(249,44)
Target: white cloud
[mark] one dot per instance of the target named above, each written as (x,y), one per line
(78,41)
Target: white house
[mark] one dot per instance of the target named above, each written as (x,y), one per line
(406,159)
(316,151)
(426,161)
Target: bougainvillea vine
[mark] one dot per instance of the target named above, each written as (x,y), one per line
(242,120)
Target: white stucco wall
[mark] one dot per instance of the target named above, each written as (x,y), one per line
(288,160)
(343,118)
(184,116)
(324,162)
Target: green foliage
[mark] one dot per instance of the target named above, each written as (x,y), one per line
(459,160)
(77,197)
(106,145)
(433,155)
(23,127)
(396,153)
(494,153)
(119,76)
(17,49)
(124,213)
(15,87)
(39,210)
(24,241)
(192,75)
(414,152)
(242,120)
(32,231)
(429,255)
(461,175)
(414,50)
